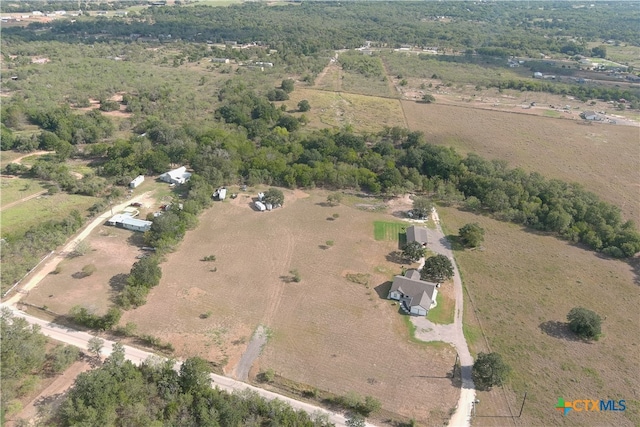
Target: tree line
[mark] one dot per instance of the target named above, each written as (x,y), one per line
(516,27)
(122,394)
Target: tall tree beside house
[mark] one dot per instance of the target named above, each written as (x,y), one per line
(274,196)
(413,251)
(437,269)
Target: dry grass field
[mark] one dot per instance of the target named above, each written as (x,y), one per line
(111,253)
(603,158)
(324,331)
(522,285)
(334,109)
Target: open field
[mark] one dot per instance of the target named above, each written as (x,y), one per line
(14,189)
(627,54)
(522,285)
(19,218)
(331,109)
(324,331)
(603,158)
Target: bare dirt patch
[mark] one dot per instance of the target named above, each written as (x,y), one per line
(111,253)
(603,158)
(324,330)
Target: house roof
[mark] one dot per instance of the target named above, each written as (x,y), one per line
(590,113)
(178,173)
(416,234)
(418,292)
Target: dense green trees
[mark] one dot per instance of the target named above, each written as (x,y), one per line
(437,268)
(584,323)
(489,370)
(22,350)
(120,394)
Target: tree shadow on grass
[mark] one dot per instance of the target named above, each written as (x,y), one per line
(455,242)
(136,239)
(558,330)
(634,263)
(396,257)
(117,284)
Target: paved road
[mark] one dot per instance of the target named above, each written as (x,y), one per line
(428,331)
(137,356)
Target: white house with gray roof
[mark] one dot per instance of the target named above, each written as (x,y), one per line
(415,296)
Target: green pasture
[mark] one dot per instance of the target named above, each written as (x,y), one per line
(19,218)
(13,189)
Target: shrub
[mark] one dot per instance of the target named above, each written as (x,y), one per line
(209,258)
(304,106)
(584,323)
(296,275)
(88,270)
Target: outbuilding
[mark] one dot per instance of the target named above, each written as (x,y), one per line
(137,181)
(176,176)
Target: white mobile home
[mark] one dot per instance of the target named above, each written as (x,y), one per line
(137,181)
(129,223)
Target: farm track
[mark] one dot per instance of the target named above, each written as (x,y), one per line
(259,338)
(394,90)
(24,199)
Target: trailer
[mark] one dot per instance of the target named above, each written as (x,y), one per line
(260,206)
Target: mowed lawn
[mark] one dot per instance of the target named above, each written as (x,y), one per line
(603,158)
(392,231)
(523,284)
(325,331)
(338,109)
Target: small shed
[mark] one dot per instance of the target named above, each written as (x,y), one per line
(137,181)
(222,193)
